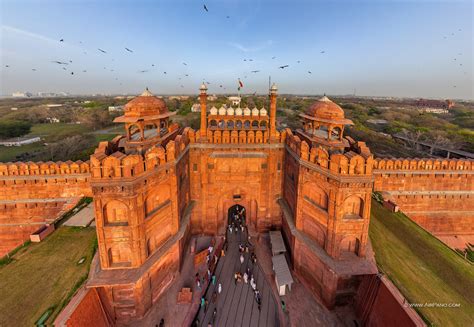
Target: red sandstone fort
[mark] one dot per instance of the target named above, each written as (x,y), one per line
(160,183)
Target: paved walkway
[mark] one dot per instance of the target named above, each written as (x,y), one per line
(236,305)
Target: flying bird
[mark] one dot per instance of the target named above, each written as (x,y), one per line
(143,71)
(62,40)
(255,71)
(205,8)
(128,50)
(284,66)
(84,71)
(164,73)
(250,59)
(227,16)
(33,69)
(273,57)
(220,85)
(309,72)
(186,75)
(185,64)
(323,51)
(208,83)
(298,61)
(72,73)
(7,66)
(152,65)
(64,68)
(101,50)
(59,62)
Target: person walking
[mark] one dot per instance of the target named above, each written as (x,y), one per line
(246,278)
(162,322)
(241,259)
(213,279)
(214,315)
(235,278)
(203,303)
(219,288)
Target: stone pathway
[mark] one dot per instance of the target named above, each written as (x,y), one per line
(236,305)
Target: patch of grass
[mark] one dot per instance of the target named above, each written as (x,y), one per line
(9,153)
(423,268)
(55,132)
(9,257)
(45,275)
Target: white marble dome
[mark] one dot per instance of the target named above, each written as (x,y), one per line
(222,111)
(263,112)
(213,111)
(230,111)
(255,112)
(247,112)
(238,112)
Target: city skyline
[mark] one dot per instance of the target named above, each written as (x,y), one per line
(402,49)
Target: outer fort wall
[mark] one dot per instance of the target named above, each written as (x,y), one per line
(379,303)
(35,193)
(436,193)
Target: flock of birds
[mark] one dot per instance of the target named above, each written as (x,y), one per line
(64,64)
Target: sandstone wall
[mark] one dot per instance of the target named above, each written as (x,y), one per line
(379,303)
(35,193)
(437,193)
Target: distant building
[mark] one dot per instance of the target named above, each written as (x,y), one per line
(235,100)
(20,141)
(178,97)
(54,105)
(22,94)
(13,108)
(116,108)
(196,107)
(212,97)
(377,121)
(434,110)
(52,120)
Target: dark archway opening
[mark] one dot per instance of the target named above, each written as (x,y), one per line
(236,215)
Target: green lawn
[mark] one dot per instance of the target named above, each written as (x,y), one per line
(9,153)
(54,132)
(43,275)
(424,269)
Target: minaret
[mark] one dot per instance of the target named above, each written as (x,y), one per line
(203,101)
(273,108)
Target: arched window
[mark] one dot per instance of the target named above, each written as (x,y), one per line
(221,123)
(150,130)
(134,132)
(263,125)
(230,124)
(247,124)
(213,123)
(336,133)
(349,244)
(255,124)
(115,213)
(353,208)
(238,124)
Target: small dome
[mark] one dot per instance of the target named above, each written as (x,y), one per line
(145,104)
(263,112)
(238,112)
(247,112)
(230,111)
(222,111)
(213,111)
(325,108)
(255,112)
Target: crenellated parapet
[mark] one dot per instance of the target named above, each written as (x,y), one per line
(357,161)
(118,165)
(43,168)
(416,164)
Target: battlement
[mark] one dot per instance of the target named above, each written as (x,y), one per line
(108,162)
(417,164)
(43,168)
(357,161)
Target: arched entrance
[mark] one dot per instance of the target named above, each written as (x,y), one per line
(236,215)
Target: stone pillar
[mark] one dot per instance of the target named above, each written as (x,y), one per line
(203,101)
(273,108)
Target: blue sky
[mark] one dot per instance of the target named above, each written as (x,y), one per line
(394,48)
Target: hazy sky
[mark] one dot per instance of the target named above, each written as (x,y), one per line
(400,48)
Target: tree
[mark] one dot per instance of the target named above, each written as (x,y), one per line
(14,128)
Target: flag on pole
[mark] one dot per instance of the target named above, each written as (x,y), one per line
(241,85)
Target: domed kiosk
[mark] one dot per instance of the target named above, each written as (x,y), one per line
(323,123)
(146,121)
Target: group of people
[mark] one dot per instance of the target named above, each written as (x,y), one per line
(248,278)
